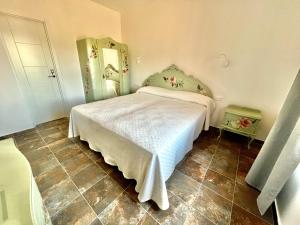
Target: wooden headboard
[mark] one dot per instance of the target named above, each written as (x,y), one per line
(175,79)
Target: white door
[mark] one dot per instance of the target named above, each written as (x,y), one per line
(30,54)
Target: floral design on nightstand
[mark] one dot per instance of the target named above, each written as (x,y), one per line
(245,122)
(241,123)
(173,81)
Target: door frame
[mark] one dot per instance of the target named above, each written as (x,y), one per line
(22,79)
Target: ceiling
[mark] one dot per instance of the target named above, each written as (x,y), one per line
(123,5)
(118,5)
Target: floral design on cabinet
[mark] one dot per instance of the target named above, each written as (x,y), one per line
(94,51)
(124,57)
(86,82)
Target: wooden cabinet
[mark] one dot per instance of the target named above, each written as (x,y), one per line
(241,120)
(104,68)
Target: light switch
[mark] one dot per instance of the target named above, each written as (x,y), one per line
(138,60)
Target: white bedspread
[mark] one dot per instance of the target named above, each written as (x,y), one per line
(144,134)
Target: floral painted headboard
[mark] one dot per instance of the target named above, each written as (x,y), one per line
(175,79)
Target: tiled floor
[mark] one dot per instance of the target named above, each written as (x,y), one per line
(79,188)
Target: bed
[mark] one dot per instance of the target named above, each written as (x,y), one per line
(146,134)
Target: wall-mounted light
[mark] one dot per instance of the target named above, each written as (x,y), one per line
(223,60)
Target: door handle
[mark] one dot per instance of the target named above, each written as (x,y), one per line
(52,71)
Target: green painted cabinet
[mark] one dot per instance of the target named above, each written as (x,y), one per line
(241,120)
(104,68)
(20,200)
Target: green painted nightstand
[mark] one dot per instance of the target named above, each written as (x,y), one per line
(241,120)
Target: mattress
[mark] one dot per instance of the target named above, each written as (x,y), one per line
(145,134)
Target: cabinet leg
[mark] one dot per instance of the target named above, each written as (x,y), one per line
(220,134)
(250,141)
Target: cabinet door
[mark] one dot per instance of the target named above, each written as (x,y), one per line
(125,81)
(90,69)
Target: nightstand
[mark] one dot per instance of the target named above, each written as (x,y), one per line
(241,120)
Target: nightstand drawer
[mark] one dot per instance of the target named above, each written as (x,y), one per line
(241,124)
(241,120)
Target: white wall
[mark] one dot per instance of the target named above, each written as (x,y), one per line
(66,21)
(259,37)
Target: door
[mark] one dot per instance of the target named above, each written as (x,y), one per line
(30,55)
